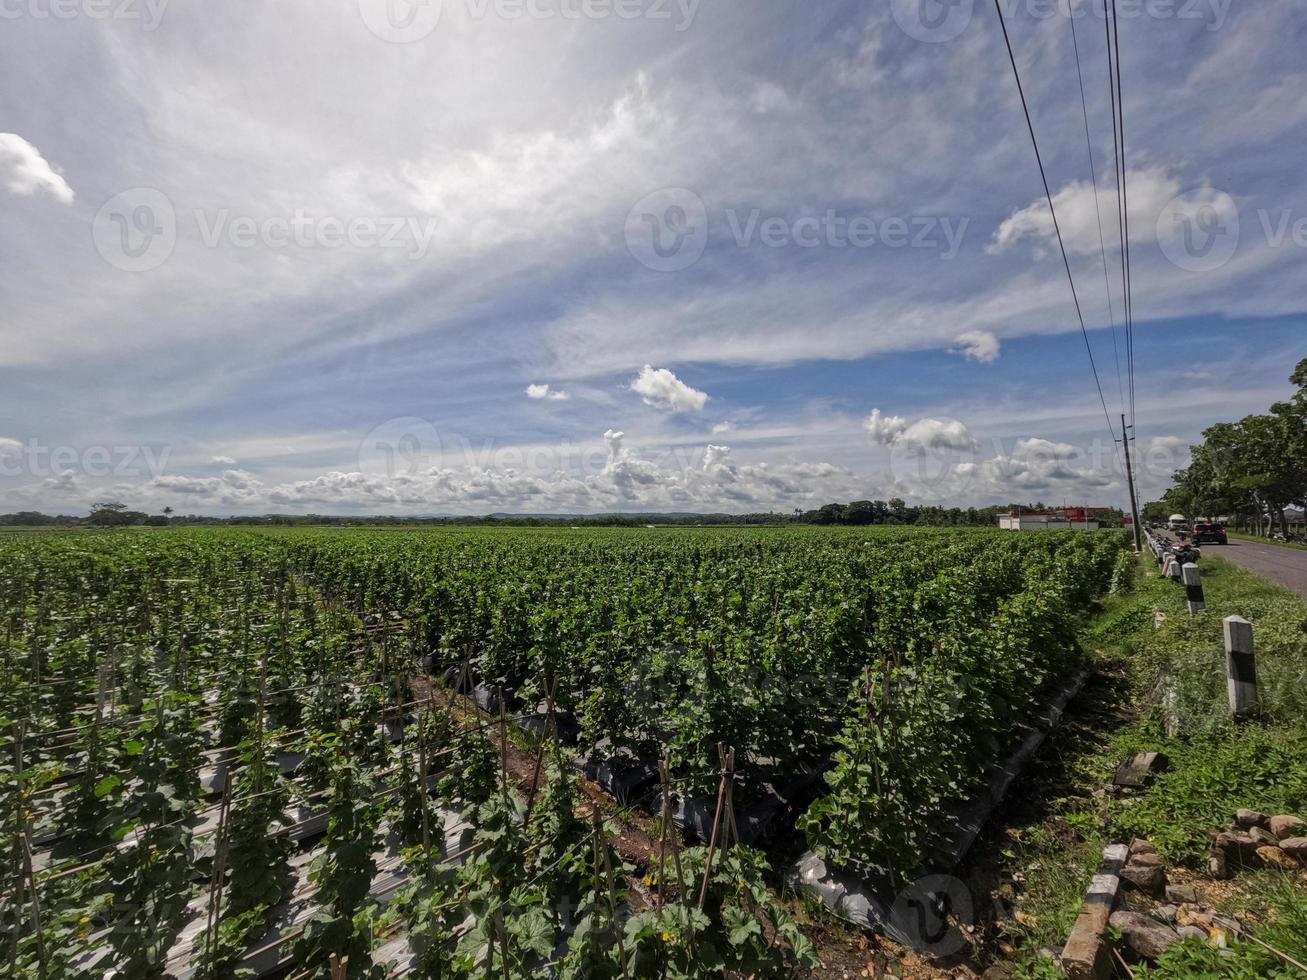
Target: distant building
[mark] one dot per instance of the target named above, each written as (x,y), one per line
(1067,519)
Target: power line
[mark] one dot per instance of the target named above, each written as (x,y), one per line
(1098,213)
(1053,211)
(1118,159)
(1125,211)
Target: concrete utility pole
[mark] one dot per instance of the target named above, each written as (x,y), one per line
(1130,479)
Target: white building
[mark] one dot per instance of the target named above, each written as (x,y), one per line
(1077,519)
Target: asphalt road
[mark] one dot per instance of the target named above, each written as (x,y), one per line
(1283,566)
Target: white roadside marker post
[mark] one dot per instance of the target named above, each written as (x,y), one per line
(1193,587)
(1240,666)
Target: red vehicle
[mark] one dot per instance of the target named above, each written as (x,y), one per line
(1209,534)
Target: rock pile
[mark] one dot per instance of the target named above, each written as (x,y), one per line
(1255,840)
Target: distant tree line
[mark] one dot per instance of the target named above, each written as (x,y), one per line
(1252,470)
(855,513)
(895,511)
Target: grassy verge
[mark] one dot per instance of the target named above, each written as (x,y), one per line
(1240,536)
(1215,766)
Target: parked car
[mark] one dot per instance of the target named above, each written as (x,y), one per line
(1209,534)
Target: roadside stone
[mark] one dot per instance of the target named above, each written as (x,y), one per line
(1193,932)
(1194,917)
(1295,847)
(1146,936)
(1182,894)
(999,971)
(1167,913)
(1228,925)
(1283,827)
(1141,846)
(1217,865)
(1274,857)
(1146,860)
(1138,770)
(1251,818)
(1239,849)
(1150,880)
(1263,838)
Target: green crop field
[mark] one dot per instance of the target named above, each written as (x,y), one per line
(256,749)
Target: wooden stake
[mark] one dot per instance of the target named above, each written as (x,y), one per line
(35,896)
(216,879)
(612,893)
(540,749)
(667,816)
(712,840)
(422,794)
(503,746)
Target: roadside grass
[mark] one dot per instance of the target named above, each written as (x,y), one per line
(1240,536)
(1215,765)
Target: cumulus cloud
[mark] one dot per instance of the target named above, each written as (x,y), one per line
(661,388)
(222,461)
(619,479)
(546,392)
(924,434)
(1034,466)
(977,345)
(723,427)
(884,429)
(1151,189)
(23,171)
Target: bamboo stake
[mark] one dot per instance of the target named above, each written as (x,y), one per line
(712,841)
(540,748)
(667,816)
(36,898)
(422,790)
(503,746)
(216,879)
(728,764)
(503,939)
(612,894)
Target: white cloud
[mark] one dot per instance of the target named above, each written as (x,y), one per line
(222,461)
(620,480)
(10,447)
(1149,189)
(936,434)
(660,388)
(546,392)
(920,436)
(978,345)
(23,171)
(723,427)
(883,430)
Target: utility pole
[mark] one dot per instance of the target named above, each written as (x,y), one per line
(1130,479)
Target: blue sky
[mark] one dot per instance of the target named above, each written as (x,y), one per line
(463,256)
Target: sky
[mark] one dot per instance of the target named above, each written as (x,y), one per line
(578,256)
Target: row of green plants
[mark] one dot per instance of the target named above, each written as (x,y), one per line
(903,656)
